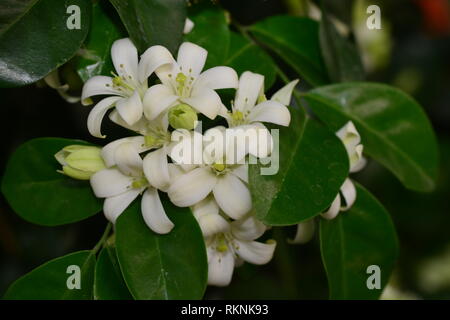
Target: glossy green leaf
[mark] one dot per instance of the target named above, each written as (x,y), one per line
(340,55)
(39,41)
(153,22)
(244,55)
(171,266)
(108,282)
(41,195)
(295,40)
(52,280)
(353,241)
(11,10)
(313,164)
(212,33)
(394,129)
(95,55)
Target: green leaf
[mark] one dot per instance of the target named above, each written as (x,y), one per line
(313,164)
(340,55)
(50,281)
(153,22)
(39,41)
(41,195)
(212,33)
(95,57)
(394,129)
(355,240)
(245,55)
(109,283)
(296,40)
(171,266)
(11,10)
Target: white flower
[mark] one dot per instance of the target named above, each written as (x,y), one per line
(230,248)
(127,88)
(122,184)
(250,105)
(183,83)
(222,172)
(304,233)
(188,26)
(347,194)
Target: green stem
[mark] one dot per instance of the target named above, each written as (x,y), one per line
(103,239)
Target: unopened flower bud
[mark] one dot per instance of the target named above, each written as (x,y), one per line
(80,162)
(182,116)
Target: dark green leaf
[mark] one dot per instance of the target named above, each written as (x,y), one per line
(212,33)
(39,41)
(341,56)
(109,283)
(171,266)
(50,281)
(153,22)
(355,240)
(11,10)
(41,195)
(313,165)
(95,57)
(296,40)
(394,129)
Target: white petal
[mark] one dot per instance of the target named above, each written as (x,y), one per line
(305,232)
(128,160)
(207,214)
(156,169)
(108,151)
(349,136)
(109,182)
(283,95)
(241,172)
(130,109)
(255,252)
(157,99)
(95,118)
(153,212)
(153,58)
(139,127)
(248,229)
(334,209)
(125,58)
(192,187)
(349,193)
(188,26)
(97,85)
(175,171)
(220,267)
(357,161)
(114,206)
(271,111)
(191,59)
(218,78)
(205,101)
(251,85)
(232,196)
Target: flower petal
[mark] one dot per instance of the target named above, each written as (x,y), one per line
(95,118)
(357,160)
(156,169)
(108,151)
(271,111)
(125,58)
(153,58)
(255,252)
(305,232)
(348,192)
(241,172)
(153,212)
(139,127)
(283,95)
(191,59)
(248,229)
(205,101)
(334,209)
(220,267)
(114,206)
(188,26)
(192,187)
(109,183)
(218,78)
(251,85)
(207,214)
(128,160)
(232,196)
(98,85)
(130,109)
(349,136)
(157,99)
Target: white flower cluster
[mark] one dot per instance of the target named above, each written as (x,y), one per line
(216,186)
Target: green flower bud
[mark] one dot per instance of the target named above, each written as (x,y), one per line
(182,116)
(80,162)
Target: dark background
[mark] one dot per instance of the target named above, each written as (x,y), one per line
(418,63)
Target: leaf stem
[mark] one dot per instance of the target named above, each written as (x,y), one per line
(103,239)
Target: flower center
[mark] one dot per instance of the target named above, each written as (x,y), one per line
(183,84)
(221,243)
(219,167)
(139,183)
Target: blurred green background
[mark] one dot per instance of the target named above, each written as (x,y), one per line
(411,52)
